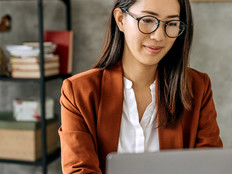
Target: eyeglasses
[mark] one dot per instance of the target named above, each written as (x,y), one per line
(149,24)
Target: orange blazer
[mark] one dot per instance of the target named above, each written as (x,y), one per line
(91,110)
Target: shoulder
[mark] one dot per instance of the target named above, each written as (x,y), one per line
(83,83)
(197,75)
(92,81)
(94,77)
(199,81)
(89,77)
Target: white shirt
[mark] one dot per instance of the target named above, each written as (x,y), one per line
(135,136)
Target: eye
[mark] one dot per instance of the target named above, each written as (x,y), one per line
(173,23)
(148,20)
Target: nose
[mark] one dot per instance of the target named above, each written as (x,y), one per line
(159,33)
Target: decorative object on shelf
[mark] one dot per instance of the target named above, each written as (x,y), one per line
(5,24)
(22,140)
(30,49)
(29,110)
(64,42)
(3,64)
(22,51)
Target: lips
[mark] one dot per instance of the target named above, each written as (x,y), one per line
(153,49)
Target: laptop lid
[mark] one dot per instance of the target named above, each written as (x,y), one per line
(195,161)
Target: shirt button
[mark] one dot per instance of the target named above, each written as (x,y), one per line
(140,133)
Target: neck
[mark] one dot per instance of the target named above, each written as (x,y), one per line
(141,75)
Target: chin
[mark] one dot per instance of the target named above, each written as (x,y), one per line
(149,63)
(151,60)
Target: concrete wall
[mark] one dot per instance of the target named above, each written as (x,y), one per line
(211,53)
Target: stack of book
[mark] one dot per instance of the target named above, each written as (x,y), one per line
(25,61)
(30,67)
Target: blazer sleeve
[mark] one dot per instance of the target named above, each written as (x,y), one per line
(78,151)
(208,130)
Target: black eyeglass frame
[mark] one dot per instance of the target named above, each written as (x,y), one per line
(165,22)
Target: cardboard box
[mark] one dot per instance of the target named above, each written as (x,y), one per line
(22,140)
(30,110)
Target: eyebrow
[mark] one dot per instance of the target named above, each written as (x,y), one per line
(156,14)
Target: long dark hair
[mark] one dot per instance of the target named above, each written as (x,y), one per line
(174,90)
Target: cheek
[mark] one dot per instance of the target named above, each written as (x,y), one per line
(133,39)
(170,43)
(132,34)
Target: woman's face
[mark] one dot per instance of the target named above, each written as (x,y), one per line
(149,49)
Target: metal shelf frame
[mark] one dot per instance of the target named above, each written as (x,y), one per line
(46,159)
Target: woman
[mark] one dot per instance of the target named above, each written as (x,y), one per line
(141,96)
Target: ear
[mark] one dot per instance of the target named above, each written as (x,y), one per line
(119,18)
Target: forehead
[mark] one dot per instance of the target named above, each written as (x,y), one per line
(161,7)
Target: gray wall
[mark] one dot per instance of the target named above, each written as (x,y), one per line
(211,53)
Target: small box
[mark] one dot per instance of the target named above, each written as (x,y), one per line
(21,140)
(30,110)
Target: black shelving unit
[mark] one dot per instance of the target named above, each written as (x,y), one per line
(46,159)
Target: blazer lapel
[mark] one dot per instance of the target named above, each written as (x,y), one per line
(110,109)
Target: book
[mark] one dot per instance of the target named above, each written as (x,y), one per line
(64,48)
(33,74)
(34,66)
(34,59)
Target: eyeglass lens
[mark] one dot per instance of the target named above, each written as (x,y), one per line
(148,24)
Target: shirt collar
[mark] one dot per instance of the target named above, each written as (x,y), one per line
(128,84)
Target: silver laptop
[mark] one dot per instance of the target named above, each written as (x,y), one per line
(196,161)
